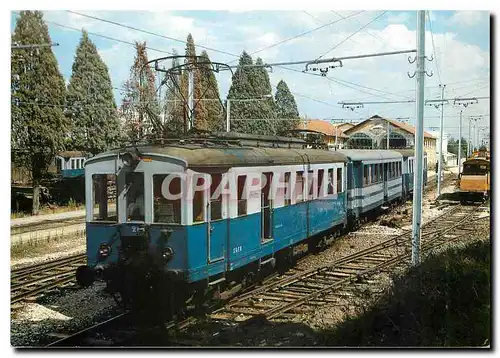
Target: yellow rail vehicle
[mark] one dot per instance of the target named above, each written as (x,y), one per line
(475,179)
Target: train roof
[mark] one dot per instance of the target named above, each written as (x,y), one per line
(407,152)
(369,154)
(477,160)
(200,156)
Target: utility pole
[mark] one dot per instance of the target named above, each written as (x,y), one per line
(460,144)
(388,131)
(419,140)
(471,137)
(190,99)
(440,166)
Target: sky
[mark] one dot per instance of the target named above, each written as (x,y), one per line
(457,41)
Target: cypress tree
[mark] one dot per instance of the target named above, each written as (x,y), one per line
(39,126)
(212,108)
(140,107)
(91,104)
(174,103)
(254,84)
(286,107)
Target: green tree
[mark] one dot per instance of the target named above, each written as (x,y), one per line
(174,103)
(91,104)
(453,147)
(39,126)
(253,86)
(210,106)
(140,108)
(286,107)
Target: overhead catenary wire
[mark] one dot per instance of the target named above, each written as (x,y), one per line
(354,33)
(433,47)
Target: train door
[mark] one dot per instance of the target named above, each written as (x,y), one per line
(266,210)
(217,229)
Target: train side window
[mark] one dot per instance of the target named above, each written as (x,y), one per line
(339,180)
(242,202)
(287,193)
(104,201)
(198,202)
(311,182)
(330,182)
(365,174)
(381,172)
(215,203)
(321,174)
(299,187)
(134,197)
(375,173)
(166,209)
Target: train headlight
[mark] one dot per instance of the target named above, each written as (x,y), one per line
(168,253)
(130,159)
(104,250)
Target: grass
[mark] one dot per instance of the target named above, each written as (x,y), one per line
(38,246)
(54,209)
(445,302)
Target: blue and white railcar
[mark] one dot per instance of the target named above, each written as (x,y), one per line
(205,237)
(409,170)
(374,179)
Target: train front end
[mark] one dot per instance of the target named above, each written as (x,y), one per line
(134,234)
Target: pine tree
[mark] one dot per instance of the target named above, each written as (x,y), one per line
(211,106)
(140,107)
(91,104)
(39,126)
(253,84)
(286,107)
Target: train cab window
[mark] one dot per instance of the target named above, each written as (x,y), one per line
(198,202)
(299,187)
(134,196)
(167,209)
(215,202)
(330,182)
(321,174)
(242,202)
(339,180)
(104,199)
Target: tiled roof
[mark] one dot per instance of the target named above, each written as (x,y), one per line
(322,126)
(406,127)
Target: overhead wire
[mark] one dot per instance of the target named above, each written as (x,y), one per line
(351,35)
(433,47)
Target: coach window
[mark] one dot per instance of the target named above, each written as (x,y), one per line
(167,209)
(380,172)
(321,173)
(242,203)
(375,173)
(299,187)
(365,174)
(215,201)
(287,192)
(311,182)
(330,182)
(339,180)
(198,202)
(104,199)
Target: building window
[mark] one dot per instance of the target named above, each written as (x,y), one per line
(242,203)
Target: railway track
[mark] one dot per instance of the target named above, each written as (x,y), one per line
(303,291)
(33,280)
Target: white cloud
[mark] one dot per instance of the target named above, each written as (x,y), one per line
(468,18)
